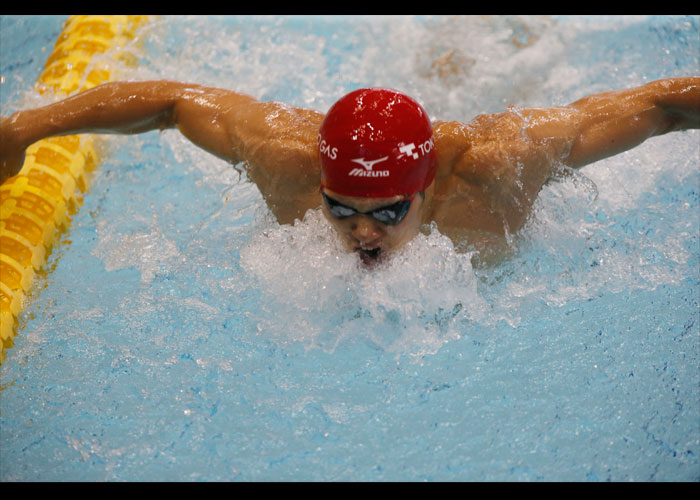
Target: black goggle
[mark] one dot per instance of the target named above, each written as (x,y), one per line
(390,215)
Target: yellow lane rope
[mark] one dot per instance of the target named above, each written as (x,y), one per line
(35,205)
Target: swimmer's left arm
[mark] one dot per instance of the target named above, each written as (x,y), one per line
(507,157)
(609,123)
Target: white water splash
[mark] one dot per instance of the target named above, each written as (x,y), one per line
(317,294)
(145,251)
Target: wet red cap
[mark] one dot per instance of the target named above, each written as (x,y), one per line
(377,143)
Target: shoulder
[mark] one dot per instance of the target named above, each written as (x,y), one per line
(497,163)
(274,140)
(278,145)
(491,146)
(474,151)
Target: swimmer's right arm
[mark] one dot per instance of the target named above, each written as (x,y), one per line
(230,125)
(118,107)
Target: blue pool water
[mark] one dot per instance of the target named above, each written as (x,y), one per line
(182,335)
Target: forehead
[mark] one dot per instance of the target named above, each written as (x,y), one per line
(361,203)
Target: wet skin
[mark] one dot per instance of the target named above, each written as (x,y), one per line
(490,170)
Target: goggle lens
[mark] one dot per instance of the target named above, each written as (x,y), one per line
(390,215)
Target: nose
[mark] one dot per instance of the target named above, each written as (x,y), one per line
(365,230)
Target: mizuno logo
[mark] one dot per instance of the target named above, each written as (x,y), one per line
(358,172)
(368,164)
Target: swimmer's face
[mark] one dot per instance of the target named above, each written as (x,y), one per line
(372,235)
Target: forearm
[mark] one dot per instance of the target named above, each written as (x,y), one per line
(120,107)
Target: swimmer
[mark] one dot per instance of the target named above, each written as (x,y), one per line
(375,163)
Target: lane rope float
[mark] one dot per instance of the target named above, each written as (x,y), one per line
(36,204)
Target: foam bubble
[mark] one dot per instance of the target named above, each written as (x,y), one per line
(318,294)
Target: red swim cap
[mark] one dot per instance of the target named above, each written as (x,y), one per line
(377,143)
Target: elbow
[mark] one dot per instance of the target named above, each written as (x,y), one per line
(680,101)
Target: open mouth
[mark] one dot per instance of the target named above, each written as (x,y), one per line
(369,255)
